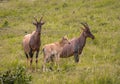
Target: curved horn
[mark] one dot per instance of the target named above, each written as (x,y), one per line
(85,25)
(35,19)
(41,18)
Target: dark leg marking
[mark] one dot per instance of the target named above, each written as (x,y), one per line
(31,56)
(76,57)
(37,56)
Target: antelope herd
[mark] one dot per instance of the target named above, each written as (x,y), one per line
(54,51)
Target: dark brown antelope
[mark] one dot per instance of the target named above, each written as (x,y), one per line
(77,44)
(53,50)
(32,42)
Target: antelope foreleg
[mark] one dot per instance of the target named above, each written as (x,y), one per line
(36,59)
(76,57)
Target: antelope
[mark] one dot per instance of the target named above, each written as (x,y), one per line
(77,44)
(32,42)
(52,51)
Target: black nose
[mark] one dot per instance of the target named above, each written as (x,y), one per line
(93,37)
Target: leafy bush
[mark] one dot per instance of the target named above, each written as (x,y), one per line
(16,76)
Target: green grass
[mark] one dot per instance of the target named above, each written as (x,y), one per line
(100,60)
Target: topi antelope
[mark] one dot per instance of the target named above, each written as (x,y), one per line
(31,42)
(77,44)
(52,51)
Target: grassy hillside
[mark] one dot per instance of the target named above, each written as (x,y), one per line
(100,60)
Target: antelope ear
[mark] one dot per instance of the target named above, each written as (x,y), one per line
(34,23)
(64,37)
(42,22)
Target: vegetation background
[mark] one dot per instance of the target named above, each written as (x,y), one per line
(100,59)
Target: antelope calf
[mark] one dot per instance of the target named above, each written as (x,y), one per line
(77,44)
(53,50)
(32,42)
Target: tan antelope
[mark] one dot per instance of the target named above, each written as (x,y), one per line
(32,42)
(52,51)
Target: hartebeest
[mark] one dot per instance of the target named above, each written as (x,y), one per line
(52,51)
(77,44)
(32,42)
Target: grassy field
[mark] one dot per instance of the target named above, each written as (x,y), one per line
(100,59)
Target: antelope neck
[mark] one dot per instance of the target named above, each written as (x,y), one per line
(82,39)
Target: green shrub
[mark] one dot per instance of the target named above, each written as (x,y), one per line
(16,76)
